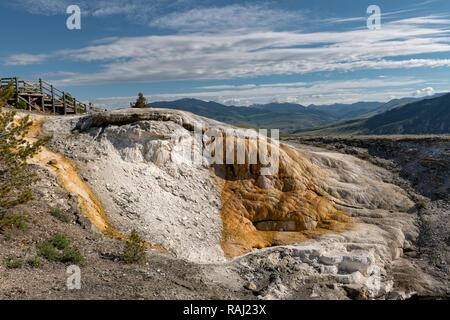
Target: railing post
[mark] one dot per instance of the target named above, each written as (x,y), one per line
(42,95)
(53,98)
(17,89)
(0,83)
(75,105)
(64,103)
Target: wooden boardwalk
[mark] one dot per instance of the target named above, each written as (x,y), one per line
(39,95)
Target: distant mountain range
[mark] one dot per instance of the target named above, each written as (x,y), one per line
(348,111)
(360,117)
(427,116)
(287,117)
(284,116)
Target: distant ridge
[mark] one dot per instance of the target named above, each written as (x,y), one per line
(341,119)
(348,111)
(421,117)
(288,117)
(427,116)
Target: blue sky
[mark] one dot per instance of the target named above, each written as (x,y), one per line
(232,52)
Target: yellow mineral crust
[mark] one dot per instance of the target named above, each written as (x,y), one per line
(287,207)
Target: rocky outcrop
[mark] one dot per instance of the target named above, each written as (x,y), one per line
(424,160)
(330,215)
(287,207)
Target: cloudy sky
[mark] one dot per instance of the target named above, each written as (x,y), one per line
(233,52)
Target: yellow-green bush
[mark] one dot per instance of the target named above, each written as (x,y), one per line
(134,251)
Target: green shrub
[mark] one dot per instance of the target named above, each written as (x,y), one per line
(48,251)
(58,249)
(141,101)
(13,263)
(15,178)
(19,222)
(365,156)
(21,105)
(320,145)
(35,262)
(72,255)
(134,251)
(420,205)
(58,214)
(60,242)
(7,93)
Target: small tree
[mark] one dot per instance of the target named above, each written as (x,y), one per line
(141,101)
(6,93)
(135,250)
(15,178)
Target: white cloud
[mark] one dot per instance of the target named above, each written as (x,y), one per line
(318,92)
(219,87)
(25,59)
(227,17)
(138,10)
(428,91)
(41,7)
(249,86)
(228,55)
(390,15)
(113,9)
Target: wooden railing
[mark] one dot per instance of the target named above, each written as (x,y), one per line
(43,96)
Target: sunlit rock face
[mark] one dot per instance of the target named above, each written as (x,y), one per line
(266,210)
(327,215)
(140,164)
